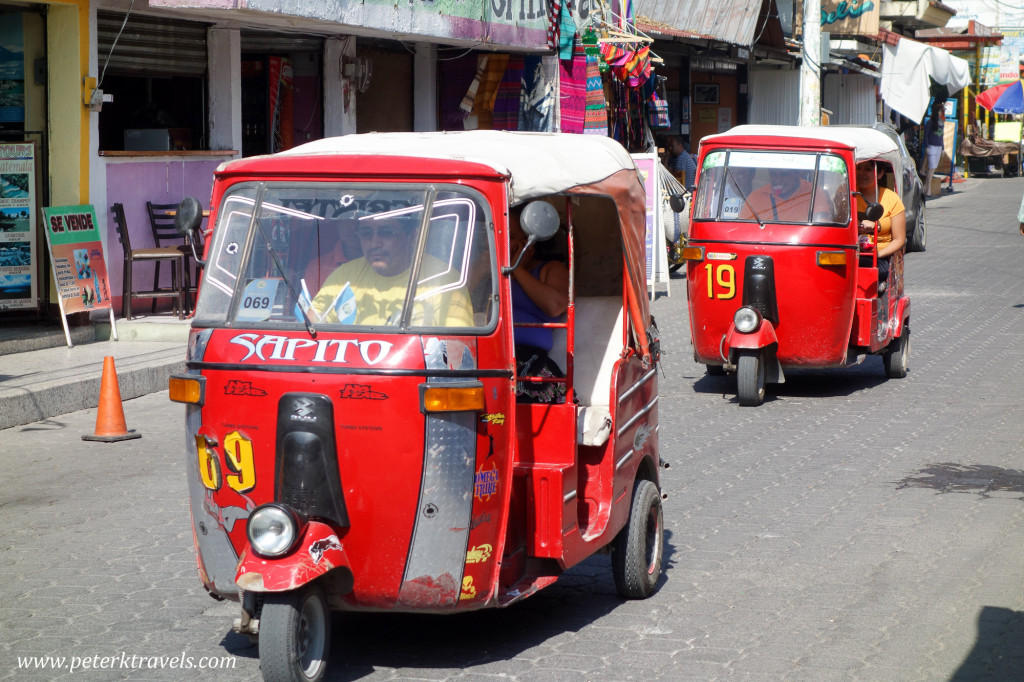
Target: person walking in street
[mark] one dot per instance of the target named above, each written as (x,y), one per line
(1020,217)
(933,136)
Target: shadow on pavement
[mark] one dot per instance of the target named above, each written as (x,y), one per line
(364,642)
(998,652)
(978,479)
(805,383)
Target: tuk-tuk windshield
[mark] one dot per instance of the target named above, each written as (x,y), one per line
(344,255)
(773,187)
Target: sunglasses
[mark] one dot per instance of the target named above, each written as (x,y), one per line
(382,231)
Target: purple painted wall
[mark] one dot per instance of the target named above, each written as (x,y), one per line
(132,184)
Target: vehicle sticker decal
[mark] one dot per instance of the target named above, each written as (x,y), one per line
(272,347)
(361,392)
(237,387)
(468,591)
(240,461)
(479,554)
(485,483)
(494,419)
(317,549)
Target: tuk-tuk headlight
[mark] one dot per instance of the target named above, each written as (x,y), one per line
(272,530)
(747,319)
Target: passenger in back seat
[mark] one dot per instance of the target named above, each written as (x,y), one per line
(540,293)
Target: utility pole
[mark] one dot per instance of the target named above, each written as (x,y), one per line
(810,65)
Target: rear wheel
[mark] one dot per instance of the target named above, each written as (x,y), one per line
(637,549)
(920,233)
(295,636)
(897,359)
(750,379)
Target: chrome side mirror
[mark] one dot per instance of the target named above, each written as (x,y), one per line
(540,222)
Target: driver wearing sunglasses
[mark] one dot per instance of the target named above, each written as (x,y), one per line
(371,290)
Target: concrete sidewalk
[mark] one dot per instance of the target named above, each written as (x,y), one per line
(41,377)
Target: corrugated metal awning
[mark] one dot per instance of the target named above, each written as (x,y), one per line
(731,21)
(151,46)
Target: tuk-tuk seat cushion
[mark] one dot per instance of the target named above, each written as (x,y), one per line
(598,345)
(593,424)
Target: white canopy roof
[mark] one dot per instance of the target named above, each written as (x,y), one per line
(907,72)
(538,163)
(867,143)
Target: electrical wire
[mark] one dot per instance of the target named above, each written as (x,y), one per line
(114,44)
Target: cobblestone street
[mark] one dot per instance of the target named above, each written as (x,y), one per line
(852,527)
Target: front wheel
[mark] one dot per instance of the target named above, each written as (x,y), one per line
(897,360)
(637,549)
(295,636)
(750,380)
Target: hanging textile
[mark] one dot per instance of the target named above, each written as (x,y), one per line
(506,102)
(566,31)
(595,120)
(455,78)
(486,94)
(572,83)
(538,110)
(470,98)
(554,24)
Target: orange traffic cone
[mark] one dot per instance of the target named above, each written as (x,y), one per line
(110,424)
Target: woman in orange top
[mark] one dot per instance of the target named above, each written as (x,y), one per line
(892,226)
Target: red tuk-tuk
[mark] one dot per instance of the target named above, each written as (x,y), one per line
(363,448)
(774,285)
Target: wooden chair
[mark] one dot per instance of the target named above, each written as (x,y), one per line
(155,255)
(165,233)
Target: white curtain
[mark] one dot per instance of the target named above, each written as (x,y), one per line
(774,97)
(850,97)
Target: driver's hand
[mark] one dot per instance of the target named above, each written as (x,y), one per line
(866,227)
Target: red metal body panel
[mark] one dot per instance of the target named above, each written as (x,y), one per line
(815,303)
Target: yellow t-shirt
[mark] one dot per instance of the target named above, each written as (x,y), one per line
(379,299)
(891,206)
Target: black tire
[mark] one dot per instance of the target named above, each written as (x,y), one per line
(750,380)
(715,370)
(897,360)
(674,253)
(637,549)
(920,236)
(295,636)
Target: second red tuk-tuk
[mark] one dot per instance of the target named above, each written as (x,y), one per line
(361,447)
(779,280)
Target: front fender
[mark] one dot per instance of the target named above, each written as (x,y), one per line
(318,552)
(762,337)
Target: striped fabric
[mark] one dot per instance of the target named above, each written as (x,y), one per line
(595,121)
(572,83)
(506,102)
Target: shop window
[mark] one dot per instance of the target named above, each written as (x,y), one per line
(153,114)
(154,72)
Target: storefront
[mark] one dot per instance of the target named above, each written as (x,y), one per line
(43,141)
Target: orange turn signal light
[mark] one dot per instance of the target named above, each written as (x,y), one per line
(187,389)
(453,398)
(831,258)
(692,253)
